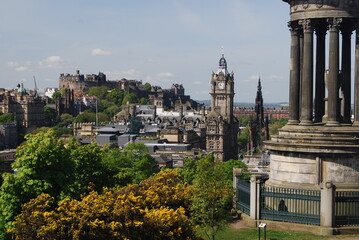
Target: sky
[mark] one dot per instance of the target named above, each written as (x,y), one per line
(157,41)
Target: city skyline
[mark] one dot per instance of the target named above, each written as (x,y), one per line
(160,42)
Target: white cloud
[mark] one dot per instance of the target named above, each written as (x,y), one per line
(21,69)
(252,78)
(166,74)
(100,52)
(275,77)
(12,64)
(52,62)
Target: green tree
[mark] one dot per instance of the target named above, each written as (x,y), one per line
(6,118)
(228,170)
(211,196)
(43,165)
(143,101)
(99,92)
(49,115)
(115,96)
(85,117)
(111,111)
(244,121)
(129,98)
(66,119)
(189,170)
(89,167)
(276,125)
(243,139)
(147,86)
(132,165)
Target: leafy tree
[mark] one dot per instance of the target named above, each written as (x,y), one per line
(129,98)
(66,119)
(60,131)
(243,138)
(43,165)
(132,165)
(99,92)
(50,115)
(111,111)
(59,93)
(154,209)
(228,170)
(143,101)
(244,121)
(6,118)
(189,170)
(211,196)
(147,86)
(86,117)
(115,96)
(276,125)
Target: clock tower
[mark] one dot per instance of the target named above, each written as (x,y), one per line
(222,91)
(222,126)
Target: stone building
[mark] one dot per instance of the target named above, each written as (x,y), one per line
(215,132)
(66,103)
(7,157)
(28,107)
(271,112)
(80,82)
(221,125)
(8,136)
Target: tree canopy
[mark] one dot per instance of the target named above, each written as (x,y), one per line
(211,196)
(61,169)
(154,209)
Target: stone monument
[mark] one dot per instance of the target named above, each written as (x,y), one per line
(311,150)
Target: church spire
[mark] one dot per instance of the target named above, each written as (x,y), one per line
(259,87)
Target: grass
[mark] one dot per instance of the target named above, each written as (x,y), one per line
(252,234)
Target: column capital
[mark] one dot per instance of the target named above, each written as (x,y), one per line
(307,25)
(334,24)
(294,27)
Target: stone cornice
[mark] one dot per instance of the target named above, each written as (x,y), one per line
(302,9)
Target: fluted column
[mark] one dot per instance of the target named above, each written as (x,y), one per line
(319,104)
(306,117)
(333,80)
(346,72)
(294,85)
(356,78)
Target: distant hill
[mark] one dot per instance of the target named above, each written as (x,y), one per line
(247,104)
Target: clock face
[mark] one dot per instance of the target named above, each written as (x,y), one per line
(221,85)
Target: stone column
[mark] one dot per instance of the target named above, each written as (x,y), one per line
(319,104)
(306,117)
(333,80)
(356,78)
(327,208)
(237,174)
(254,198)
(346,72)
(294,85)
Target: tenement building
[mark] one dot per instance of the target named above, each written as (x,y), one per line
(27,107)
